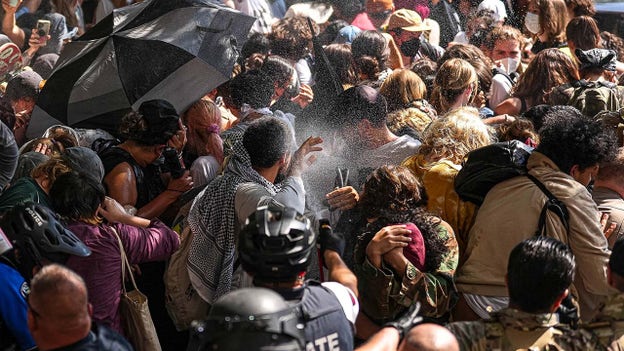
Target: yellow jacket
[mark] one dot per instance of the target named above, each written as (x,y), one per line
(438,179)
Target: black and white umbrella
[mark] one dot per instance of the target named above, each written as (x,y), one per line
(177,50)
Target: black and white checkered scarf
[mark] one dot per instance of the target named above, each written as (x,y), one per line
(213,221)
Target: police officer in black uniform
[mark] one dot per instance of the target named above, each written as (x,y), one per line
(249,319)
(275,248)
(34,237)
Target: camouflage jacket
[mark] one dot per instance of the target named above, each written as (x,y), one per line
(608,325)
(384,294)
(510,330)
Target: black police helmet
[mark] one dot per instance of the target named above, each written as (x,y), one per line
(36,231)
(276,243)
(250,319)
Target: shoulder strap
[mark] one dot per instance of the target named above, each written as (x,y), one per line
(523,105)
(553,204)
(125,265)
(604,83)
(496,71)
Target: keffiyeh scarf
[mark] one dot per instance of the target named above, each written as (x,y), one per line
(212,220)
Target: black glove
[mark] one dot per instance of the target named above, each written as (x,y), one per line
(568,312)
(330,240)
(407,321)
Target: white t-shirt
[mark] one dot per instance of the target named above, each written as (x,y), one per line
(204,169)
(499,90)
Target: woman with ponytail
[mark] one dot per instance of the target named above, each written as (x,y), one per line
(455,85)
(370,54)
(204,149)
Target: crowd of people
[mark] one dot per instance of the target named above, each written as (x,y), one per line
(312,202)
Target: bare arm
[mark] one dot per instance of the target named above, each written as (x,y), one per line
(339,272)
(511,106)
(115,213)
(121,183)
(385,339)
(9,27)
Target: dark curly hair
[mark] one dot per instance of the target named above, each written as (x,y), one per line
(392,194)
(390,189)
(427,223)
(426,70)
(570,138)
(613,42)
(291,37)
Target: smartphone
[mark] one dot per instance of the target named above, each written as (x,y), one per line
(43,29)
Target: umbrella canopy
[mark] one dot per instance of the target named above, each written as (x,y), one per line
(177,50)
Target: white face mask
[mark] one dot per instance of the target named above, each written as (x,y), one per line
(531,21)
(510,64)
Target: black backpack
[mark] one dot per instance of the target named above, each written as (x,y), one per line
(489,165)
(492,164)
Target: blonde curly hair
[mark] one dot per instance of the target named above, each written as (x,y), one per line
(454,135)
(411,117)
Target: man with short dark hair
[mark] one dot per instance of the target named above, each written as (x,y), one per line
(59,314)
(249,180)
(359,117)
(539,273)
(566,160)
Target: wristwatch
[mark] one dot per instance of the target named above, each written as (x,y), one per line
(411,272)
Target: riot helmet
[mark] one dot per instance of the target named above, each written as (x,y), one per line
(38,236)
(276,243)
(250,319)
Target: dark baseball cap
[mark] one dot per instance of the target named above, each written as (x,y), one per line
(25,84)
(162,122)
(84,160)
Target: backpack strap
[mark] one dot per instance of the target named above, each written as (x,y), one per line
(523,105)
(497,70)
(553,204)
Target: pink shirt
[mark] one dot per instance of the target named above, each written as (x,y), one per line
(363,22)
(102,270)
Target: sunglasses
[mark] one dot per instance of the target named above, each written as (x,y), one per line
(380,15)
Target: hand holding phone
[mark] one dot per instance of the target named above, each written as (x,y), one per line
(43,29)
